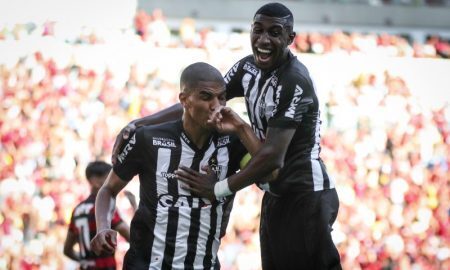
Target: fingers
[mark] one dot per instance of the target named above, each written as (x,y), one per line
(104,242)
(216,116)
(208,170)
(187,171)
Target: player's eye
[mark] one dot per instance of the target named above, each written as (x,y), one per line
(205,96)
(257,30)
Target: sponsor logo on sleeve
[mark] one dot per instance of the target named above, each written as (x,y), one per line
(231,73)
(127,148)
(294,102)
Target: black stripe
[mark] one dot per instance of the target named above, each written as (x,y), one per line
(195,221)
(172,225)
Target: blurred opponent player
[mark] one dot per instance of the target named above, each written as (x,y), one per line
(82,227)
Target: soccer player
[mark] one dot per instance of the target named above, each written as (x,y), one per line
(82,226)
(172,228)
(301,204)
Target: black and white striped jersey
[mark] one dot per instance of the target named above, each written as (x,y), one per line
(284,98)
(171,228)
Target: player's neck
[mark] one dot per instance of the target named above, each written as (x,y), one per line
(198,135)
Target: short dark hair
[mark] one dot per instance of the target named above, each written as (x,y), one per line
(97,168)
(198,72)
(277,10)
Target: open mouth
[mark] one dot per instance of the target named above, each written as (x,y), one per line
(263,55)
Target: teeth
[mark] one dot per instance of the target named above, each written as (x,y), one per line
(263,51)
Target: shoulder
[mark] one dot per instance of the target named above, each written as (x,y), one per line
(295,73)
(239,65)
(164,134)
(297,70)
(171,129)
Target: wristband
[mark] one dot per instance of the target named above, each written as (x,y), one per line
(221,189)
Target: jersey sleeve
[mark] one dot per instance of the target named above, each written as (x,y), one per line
(130,158)
(233,82)
(293,98)
(238,151)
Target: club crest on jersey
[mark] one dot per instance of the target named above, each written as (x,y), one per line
(215,167)
(294,102)
(164,142)
(127,148)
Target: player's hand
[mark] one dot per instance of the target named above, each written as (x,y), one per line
(199,184)
(104,242)
(123,135)
(225,120)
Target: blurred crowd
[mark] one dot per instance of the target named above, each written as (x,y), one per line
(390,155)
(153,25)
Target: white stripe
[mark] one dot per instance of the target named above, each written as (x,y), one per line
(222,160)
(186,159)
(216,242)
(207,156)
(317,174)
(180,252)
(252,98)
(163,162)
(187,156)
(270,103)
(245,82)
(205,218)
(315,149)
(205,225)
(260,101)
(332,181)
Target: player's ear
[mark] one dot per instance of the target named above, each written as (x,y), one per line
(182,98)
(291,37)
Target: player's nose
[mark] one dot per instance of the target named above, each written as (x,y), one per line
(215,103)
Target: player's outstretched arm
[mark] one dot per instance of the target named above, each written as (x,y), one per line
(173,112)
(105,240)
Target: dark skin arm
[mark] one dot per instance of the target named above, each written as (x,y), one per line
(123,230)
(106,239)
(69,244)
(174,112)
(269,158)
